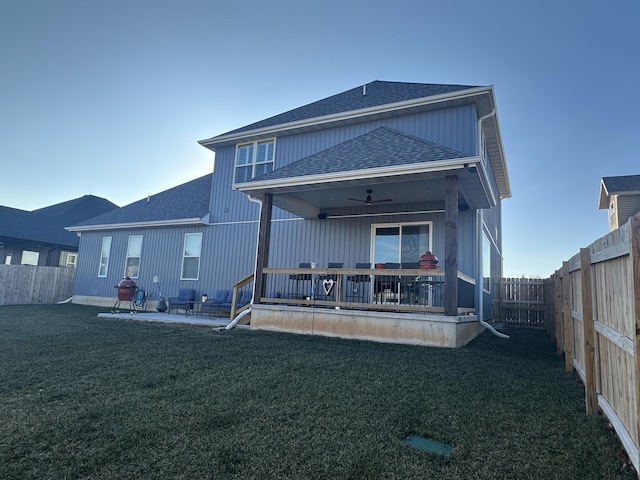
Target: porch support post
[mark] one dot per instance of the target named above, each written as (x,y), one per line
(264,236)
(451,245)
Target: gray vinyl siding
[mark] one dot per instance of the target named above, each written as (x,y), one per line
(228,254)
(453,127)
(627,207)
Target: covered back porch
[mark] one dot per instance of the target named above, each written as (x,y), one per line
(395,300)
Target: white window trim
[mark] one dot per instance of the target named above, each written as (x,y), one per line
(127,257)
(254,156)
(106,269)
(397,224)
(184,256)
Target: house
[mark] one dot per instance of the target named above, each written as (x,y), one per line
(621,196)
(39,237)
(385,174)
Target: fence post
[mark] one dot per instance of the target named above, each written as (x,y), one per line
(567,319)
(635,266)
(589,332)
(558,311)
(499,295)
(549,313)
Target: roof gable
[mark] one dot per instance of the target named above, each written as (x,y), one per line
(620,185)
(187,201)
(382,147)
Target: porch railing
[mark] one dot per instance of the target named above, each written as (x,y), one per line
(397,290)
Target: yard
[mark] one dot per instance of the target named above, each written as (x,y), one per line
(82,397)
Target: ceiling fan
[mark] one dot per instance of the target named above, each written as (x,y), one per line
(369,200)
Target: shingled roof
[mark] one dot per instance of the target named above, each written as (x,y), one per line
(373,94)
(620,185)
(188,201)
(47,225)
(382,147)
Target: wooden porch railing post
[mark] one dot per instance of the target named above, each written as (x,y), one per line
(589,332)
(451,245)
(264,236)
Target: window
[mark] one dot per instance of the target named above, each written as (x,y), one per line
(191,256)
(68,259)
(7,259)
(104,257)
(134,249)
(486,263)
(29,257)
(253,159)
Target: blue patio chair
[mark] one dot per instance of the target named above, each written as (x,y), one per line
(216,302)
(184,300)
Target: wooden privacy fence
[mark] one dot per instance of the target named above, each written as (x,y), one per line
(26,284)
(597,313)
(522,302)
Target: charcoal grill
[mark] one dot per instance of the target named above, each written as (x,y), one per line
(126,293)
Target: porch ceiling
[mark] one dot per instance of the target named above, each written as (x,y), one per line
(407,190)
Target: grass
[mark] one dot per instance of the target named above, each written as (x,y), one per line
(82,397)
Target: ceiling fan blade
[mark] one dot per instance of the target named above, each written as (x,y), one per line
(357,200)
(385,200)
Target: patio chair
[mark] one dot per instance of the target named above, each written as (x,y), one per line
(184,300)
(300,277)
(357,284)
(410,290)
(214,303)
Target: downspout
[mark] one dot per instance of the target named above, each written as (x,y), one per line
(481,301)
(253,294)
(481,236)
(480,120)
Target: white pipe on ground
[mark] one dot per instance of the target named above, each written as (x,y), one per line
(66,301)
(234,322)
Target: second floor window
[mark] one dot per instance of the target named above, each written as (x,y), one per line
(134,250)
(253,159)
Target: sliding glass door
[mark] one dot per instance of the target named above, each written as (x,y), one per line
(400,243)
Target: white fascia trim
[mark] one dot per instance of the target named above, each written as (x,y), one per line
(388,107)
(121,226)
(411,168)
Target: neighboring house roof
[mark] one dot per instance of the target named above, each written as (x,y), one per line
(382,147)
(47,225)
(370,95)
(621,185)
(78,209)
(185,204)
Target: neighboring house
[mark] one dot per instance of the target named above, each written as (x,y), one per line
(295,188)
(621,196)
(39,237)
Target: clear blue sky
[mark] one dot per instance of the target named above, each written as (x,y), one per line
(110,98)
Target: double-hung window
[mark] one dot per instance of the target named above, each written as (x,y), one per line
(191,256)
(134,251)
(253,159)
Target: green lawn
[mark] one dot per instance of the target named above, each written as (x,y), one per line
(82,397)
